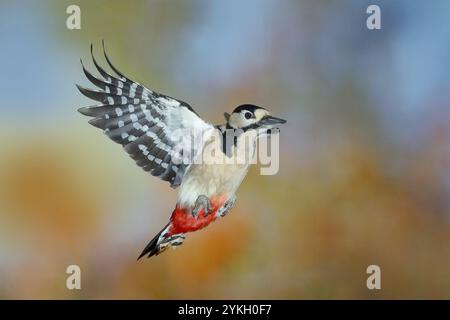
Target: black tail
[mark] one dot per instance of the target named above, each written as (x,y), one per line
(163,241)
(153,247)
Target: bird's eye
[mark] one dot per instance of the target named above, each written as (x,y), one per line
(247,115)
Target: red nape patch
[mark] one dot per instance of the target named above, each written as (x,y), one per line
(183,221)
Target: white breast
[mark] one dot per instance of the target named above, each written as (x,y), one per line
(214,176)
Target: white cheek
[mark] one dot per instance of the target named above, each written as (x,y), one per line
(248,122)
(239,121)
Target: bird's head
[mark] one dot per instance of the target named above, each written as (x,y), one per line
(248,116)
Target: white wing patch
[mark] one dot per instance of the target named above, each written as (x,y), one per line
(154,129)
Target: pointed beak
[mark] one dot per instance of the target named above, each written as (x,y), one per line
(272,121)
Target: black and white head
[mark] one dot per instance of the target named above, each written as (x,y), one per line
(248,116)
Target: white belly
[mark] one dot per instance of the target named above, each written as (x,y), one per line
(211,181)
(214,176)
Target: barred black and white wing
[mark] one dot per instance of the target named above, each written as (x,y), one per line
(157,131)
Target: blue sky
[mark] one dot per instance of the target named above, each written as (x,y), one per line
(39,71)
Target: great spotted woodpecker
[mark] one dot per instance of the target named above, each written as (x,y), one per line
(166,137)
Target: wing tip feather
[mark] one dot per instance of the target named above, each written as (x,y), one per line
(85,111)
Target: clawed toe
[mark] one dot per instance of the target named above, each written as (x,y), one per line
(202,202)
(227,207)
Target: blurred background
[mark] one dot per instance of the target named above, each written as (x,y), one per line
(365,156)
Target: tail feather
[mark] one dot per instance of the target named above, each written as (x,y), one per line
(152,247)
(161,242)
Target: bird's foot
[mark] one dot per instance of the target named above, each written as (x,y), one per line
(175,240)
(202,202)
(223,210)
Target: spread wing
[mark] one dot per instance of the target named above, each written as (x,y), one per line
(159,132)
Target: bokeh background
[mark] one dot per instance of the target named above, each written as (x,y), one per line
(365,157)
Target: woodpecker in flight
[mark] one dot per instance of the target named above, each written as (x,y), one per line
(166,138)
